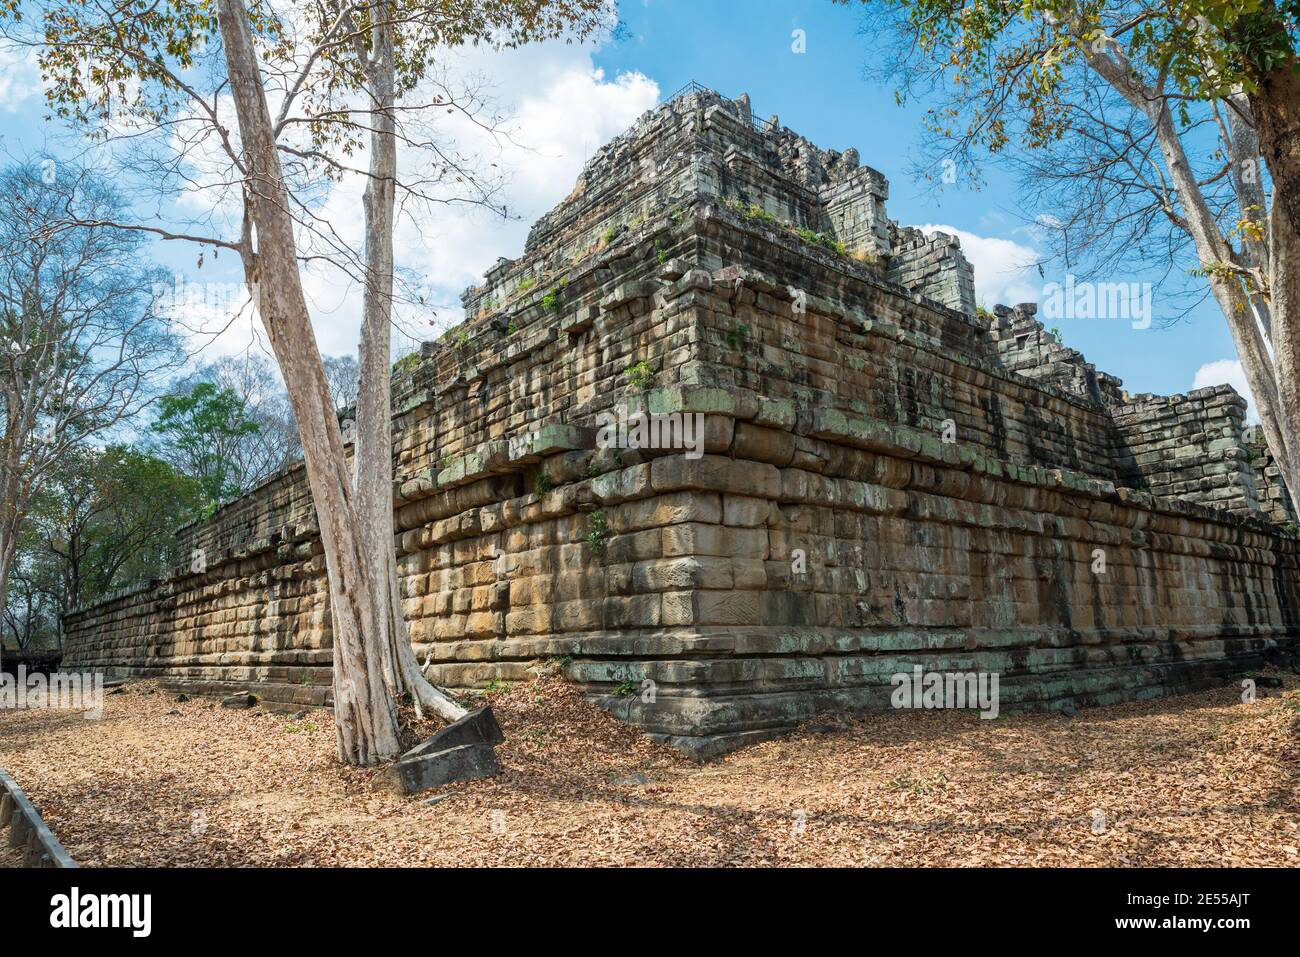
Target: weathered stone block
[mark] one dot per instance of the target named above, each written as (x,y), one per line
(465,762)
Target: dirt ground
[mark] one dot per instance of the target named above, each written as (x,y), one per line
(1200,779)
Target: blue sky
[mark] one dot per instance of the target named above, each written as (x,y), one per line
(567,101)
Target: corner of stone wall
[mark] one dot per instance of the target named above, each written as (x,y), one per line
(1019,343)
(933,266)
(1189,446)
(1274,499)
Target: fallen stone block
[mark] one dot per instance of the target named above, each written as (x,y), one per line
(464,763)
(242,700)
(478,727)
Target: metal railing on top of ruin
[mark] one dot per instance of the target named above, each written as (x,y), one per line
(692,87)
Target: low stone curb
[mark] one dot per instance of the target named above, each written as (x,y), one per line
(22,827)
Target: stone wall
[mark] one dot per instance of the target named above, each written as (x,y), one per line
(881,481)
(1189,446)
(1274,499)
(935,265)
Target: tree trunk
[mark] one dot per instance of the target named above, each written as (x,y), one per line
(8,547)
(373,452)
(365,716)
(1275,105)
(1277,403)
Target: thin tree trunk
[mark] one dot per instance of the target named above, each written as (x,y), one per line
(8,547)
(373,452)
(365,715)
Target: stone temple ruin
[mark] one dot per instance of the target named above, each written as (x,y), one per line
(889,477)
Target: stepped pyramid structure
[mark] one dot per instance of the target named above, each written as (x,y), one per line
(855,473)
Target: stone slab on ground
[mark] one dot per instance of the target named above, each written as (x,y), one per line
(478,727)
(466,762)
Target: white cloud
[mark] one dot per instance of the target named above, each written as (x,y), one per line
(1231,372)
(1004,270)
(19,79)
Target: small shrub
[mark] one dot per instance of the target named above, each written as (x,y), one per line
(597,531)
(639,375)
(821,239)
(757,213)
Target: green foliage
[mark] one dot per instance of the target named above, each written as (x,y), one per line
(626,689)
(103,520)
(758,214)
(551,300)
(639,375)
(542,485)
(737,335)
(660,253)
(821,239)
(1002,56)
(597,531)
(199,433)
(407,364)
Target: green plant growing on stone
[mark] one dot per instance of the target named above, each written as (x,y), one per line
(551,300)
(737,335)
(639,375)
(462,341)
(660,253)
(407,364)
(528,282)
(512,327)
(597,531)
(757,214)
(821,239)
(609,234)
(626,689)
(542,485)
